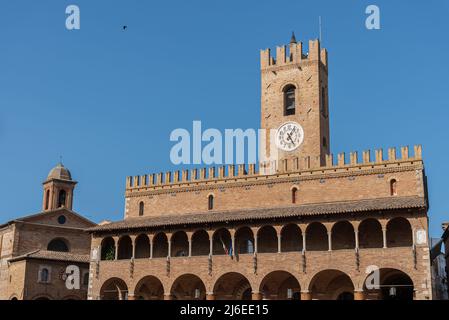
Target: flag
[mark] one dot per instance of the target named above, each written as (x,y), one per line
(224,246)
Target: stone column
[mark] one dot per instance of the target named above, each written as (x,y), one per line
(211,242)
(151,237)
(255,230)
(133,243)
(210,296)
(384,234)
(356,235)
(189,238)
(359,295)
(169,243)
(306,295)
(168,296)
(131,297)
(257,296)
(116,239)
(232,232)
(329,239)
(279,242)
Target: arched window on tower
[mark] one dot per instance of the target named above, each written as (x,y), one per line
(141,208)
(210,202)
(47,199)
(393,187)
(289,100)
(294,194)
(62,198)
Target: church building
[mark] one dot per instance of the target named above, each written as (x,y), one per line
(35,250)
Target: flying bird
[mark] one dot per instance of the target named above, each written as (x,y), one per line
(125,27)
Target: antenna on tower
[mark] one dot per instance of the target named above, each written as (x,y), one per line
(319,25)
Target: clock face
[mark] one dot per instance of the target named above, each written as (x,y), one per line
(289,136)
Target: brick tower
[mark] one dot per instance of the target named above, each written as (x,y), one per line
(58,189)
(294,92)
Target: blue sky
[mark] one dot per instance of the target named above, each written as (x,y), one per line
(107,99)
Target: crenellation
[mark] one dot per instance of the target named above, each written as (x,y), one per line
(267,168)
(168,176)
(203,174)
(404,153)
(418,152)
(159,179)
(293,54)
(366,157)
(194,175)
(212,173)
(391,154)
(280,55)
(341,159)
(353,158)
(379,156)
(329,160)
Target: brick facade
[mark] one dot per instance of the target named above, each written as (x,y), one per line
(311,229)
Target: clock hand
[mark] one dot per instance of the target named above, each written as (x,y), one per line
(290,137)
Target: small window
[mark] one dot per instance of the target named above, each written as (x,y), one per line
(289,100)
(47,199)
(62,219)
(210,204)
(141,208)
(294,194)
(393,187)
(62,198)
(44,275)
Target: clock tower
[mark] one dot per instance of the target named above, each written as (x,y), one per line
(294,102)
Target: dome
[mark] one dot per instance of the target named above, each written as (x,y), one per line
(59,172)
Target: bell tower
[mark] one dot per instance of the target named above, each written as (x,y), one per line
(58,189)
(294,101)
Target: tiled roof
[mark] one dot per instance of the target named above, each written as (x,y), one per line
(390,203)
(54,255)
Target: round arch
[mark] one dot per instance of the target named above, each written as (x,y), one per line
(370,234)
(179,244)
(149,288)
(267,240)
(331,284)
(200,243)
(343,235)
(188,287)
(108,249)
(114,289)
(244,241)
(232,286)
(291,238)
(142,244)
(160,245)
(394,284)
(125,248)
(316,237)
(280,285)
(222,242)
(399,233)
